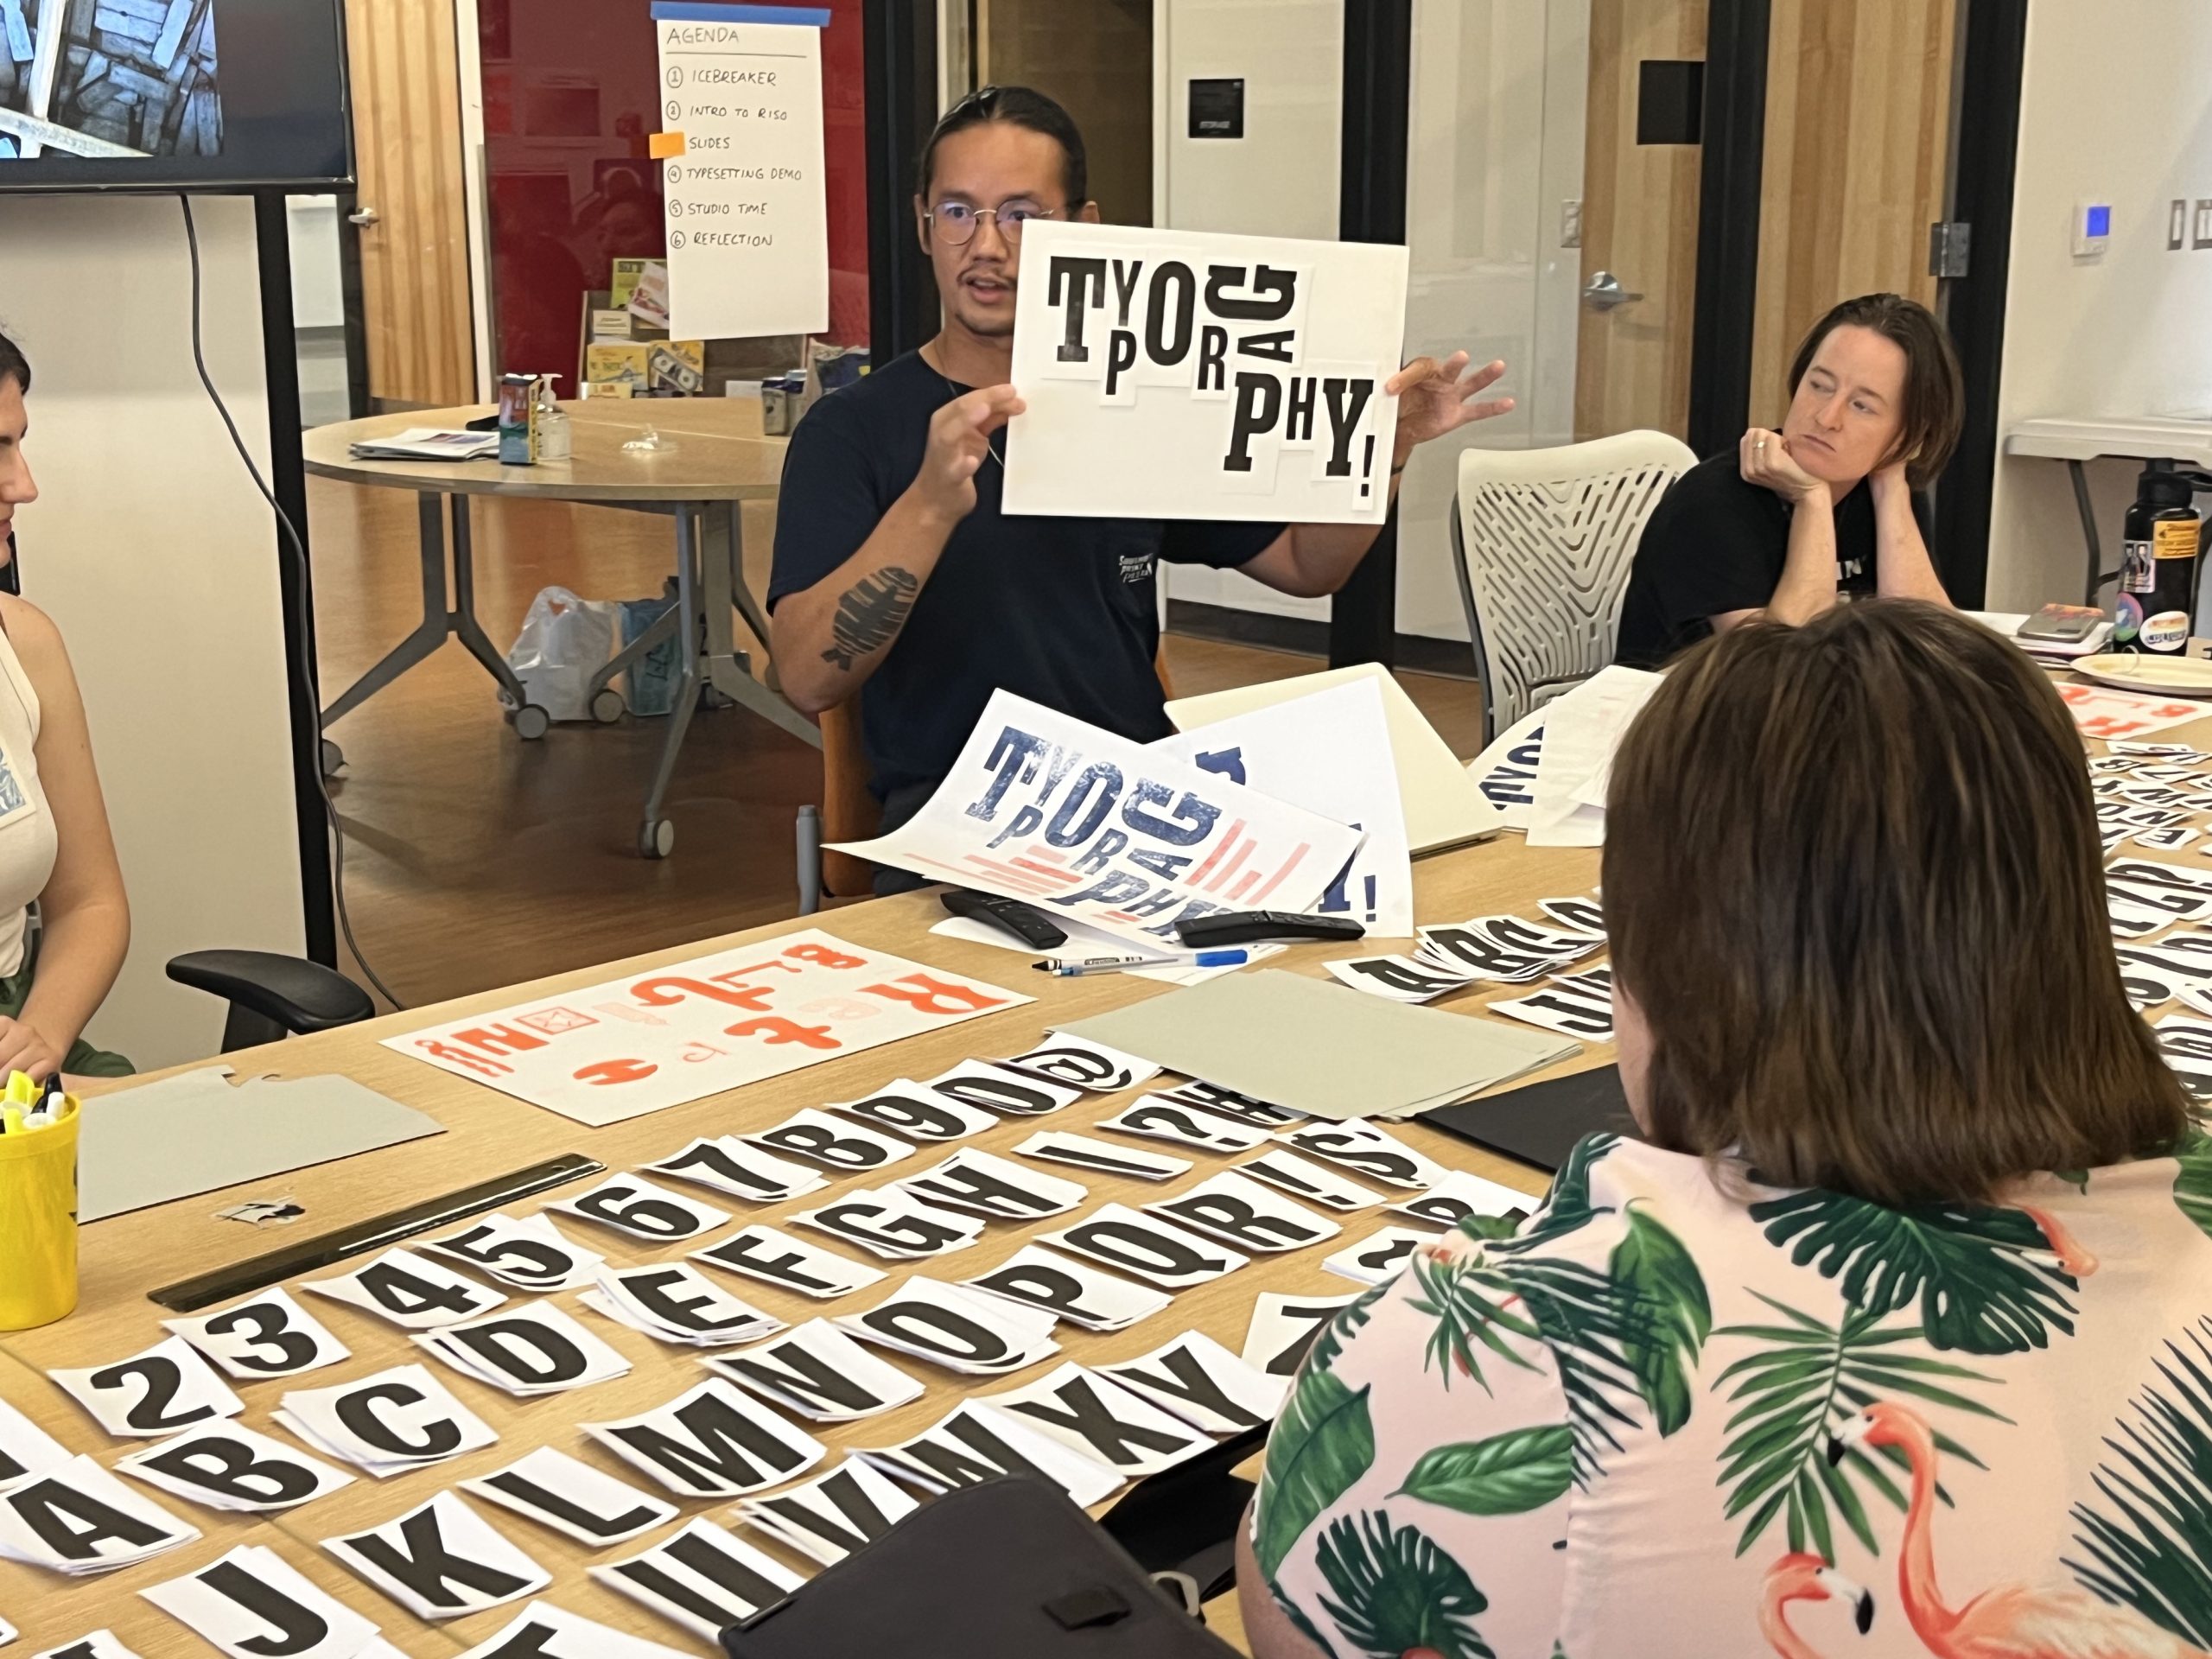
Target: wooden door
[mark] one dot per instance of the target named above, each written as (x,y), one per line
(1857,116)
(1639,228)
(415,294)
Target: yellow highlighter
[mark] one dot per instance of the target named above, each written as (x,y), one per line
(22,1091)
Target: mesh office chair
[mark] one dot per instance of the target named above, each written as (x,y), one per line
(1541,540)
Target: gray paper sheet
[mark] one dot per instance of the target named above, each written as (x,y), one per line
(196,1132)
(1320,1048)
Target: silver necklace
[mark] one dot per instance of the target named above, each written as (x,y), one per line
(953,386)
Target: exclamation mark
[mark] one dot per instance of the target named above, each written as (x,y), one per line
(1367,469)
(1372,908)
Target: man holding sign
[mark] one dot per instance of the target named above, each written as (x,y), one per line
(895,567)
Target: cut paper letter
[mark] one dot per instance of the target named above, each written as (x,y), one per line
(1229,377)
(1077,821)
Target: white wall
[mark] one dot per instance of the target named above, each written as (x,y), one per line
(1279,179)
(318,290)
(1500,88)
(2116,105)
(152,550)
(1493,150)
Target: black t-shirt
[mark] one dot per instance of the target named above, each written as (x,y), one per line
(1716,544)
(1061,611)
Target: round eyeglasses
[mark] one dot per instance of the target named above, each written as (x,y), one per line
(956,221)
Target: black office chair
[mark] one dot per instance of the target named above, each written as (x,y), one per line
(272,996)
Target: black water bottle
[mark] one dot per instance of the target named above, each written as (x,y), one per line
(2158,563)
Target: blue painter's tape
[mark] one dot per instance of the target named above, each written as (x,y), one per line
(708,11)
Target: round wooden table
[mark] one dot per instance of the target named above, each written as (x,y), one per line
(713,456)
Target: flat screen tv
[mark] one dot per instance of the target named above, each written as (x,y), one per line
(204,95)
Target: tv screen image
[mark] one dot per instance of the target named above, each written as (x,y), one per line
(172,94)
(124,77)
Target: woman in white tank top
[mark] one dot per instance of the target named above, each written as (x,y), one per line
(55,849)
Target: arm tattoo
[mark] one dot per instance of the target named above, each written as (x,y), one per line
(869,614)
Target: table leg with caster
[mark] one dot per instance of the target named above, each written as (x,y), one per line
(428,635)
(531,721)
(607,703)
(656,834)
(723,587)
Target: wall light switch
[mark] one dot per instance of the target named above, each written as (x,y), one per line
(2091,228)
(2177,225)
(2200,236)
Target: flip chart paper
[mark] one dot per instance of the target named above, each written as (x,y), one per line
(1442,804)
(1042,808)
(747,199)
(1229,377)
(1331,754)
(617,1050)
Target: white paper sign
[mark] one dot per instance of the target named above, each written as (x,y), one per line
(615,1050)
(252,1603)
(2100,711)
(1506,771)
(1229,377)
(747,200)
(573,1499)
(701,1567)
(166,1388)
(1331,754)
(833,1515)
(440,1560)
(229,1467)
(1045,809)
(268,1334)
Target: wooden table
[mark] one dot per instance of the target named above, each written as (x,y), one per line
(713,458)
(489,1133)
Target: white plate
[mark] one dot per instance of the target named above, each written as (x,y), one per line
(2174,677)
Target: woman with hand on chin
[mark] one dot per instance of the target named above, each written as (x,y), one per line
(56,847)
(1826,509)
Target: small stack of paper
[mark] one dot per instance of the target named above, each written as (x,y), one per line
(830,1516)
(1068,1289)
(226,1601)
(1581,730)
(961,1330)
(817,1372)
(529,1352)
(675,1303)
(946,1454)
(429,443)
(233,1468)
(43,1522)
(1308,1044)
(386,1423)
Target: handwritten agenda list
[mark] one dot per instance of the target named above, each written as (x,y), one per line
(748,231)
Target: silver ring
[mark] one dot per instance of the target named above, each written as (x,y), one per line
(1757,444)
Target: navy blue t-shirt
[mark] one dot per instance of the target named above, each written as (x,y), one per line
(1061,611)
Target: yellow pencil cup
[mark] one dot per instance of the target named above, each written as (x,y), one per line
(38,1225)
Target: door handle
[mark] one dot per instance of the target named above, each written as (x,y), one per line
(1604,293)
(363,217)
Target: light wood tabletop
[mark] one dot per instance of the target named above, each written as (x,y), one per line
(489,1134)
(712,450)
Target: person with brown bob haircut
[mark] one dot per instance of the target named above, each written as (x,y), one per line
(1831,506)
(1892,1334)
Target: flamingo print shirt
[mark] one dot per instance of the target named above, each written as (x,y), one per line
(1664,1419)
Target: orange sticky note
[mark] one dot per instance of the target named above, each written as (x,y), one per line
(661,145)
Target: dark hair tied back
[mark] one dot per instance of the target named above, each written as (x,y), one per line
(1019,106)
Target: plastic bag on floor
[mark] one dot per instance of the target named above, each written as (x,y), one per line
(565,639)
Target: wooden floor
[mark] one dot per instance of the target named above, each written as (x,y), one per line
(474,859)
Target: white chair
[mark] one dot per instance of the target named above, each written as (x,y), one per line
(1541,540)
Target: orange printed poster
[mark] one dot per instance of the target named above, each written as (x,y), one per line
(615,1050)
(2100,711)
